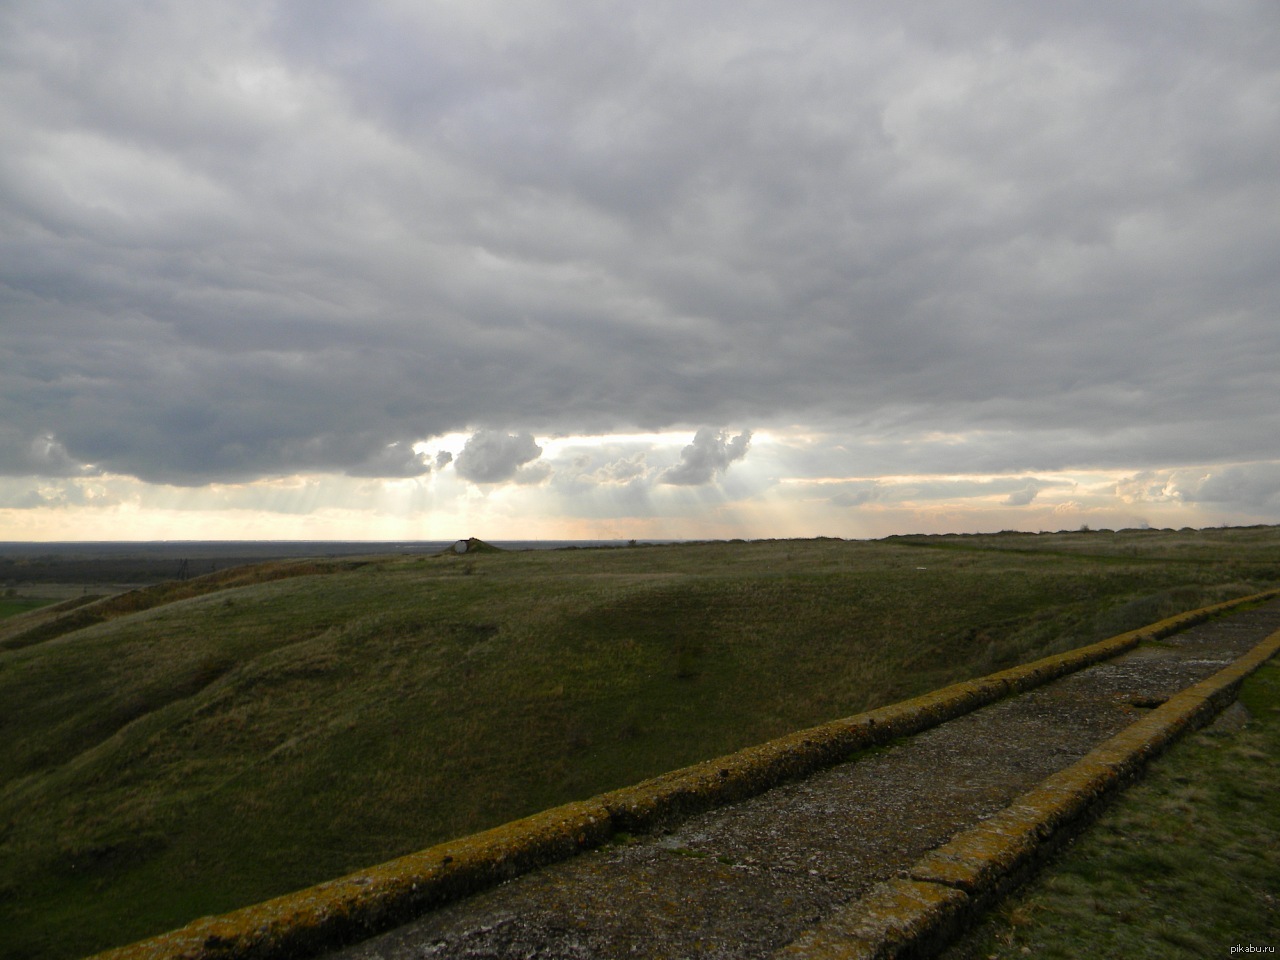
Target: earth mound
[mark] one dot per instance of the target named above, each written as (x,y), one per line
(473,545)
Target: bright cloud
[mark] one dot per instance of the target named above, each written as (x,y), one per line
(490,456)
(708,456)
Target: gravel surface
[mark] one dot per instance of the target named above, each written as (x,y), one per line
(745,880)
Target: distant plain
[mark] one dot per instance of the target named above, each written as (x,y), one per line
(197,745)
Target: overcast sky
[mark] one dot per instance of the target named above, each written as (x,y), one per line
(577,269)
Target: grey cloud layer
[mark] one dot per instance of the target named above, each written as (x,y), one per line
(258,239)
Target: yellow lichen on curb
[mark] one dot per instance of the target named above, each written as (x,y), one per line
(984,861)
(339,911)
(979,858)
(893,917)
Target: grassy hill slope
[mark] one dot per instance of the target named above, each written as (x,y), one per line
(256,732)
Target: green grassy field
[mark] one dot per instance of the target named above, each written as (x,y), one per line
(12,606)
(199,746)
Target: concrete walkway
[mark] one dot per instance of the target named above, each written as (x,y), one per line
(801,869)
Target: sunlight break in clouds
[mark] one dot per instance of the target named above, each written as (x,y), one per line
(615,488)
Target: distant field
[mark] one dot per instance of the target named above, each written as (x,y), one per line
(198,746)
(12,606)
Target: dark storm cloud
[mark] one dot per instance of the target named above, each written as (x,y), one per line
(249,240)
(393,460)
(39,456)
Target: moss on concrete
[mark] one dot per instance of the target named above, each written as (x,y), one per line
(895,917)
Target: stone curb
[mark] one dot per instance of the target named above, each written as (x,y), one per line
(359,905)
(918,914)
